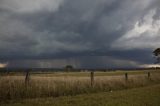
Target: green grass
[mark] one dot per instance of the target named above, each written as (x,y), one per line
(144,96)
(84,74)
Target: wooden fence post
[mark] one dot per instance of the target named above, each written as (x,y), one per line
(149,75)
(92,78)
(126,76)
(27,78)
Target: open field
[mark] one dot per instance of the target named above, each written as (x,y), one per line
(87,74)
(83,74)
(58,84)
(13,87)
(144,96)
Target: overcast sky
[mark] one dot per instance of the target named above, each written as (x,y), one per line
(83,33)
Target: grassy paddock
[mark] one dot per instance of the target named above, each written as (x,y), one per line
(144,96)
(13,87)
(81,74)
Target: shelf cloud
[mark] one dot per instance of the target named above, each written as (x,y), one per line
(119,33)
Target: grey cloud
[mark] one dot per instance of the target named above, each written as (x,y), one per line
(70,28)
(27,6)
(78,62)
(143,35)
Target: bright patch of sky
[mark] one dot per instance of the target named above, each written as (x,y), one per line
(145,34)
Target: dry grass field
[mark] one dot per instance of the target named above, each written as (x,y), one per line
(13,87)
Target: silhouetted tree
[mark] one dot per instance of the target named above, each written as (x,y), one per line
(68,68)
(156,53)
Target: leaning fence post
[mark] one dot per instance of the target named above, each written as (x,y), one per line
(149,75)
(27,78)
(126,76)
(92,78)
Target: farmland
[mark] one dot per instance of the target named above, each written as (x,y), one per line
(64,85)
(144,96)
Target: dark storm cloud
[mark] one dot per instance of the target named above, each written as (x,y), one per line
(59,29)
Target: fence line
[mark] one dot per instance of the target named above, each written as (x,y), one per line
(92,77)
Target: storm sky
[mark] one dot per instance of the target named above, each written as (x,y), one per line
(83,33)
